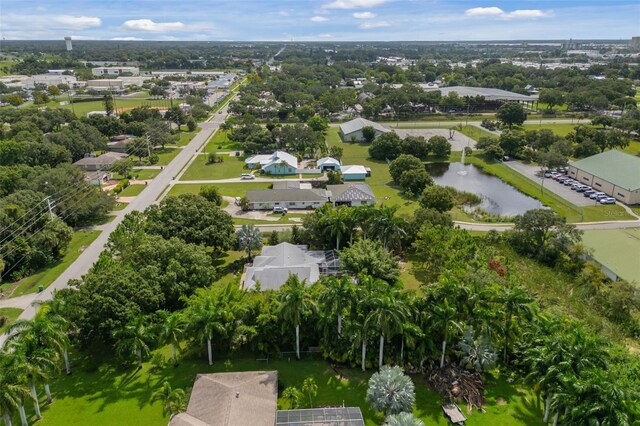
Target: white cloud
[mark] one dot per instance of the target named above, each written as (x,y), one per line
(318,19)
(127,39)
(499,13)
(326,36)
(370,25)
(353,4)
(75,22)
(283,13)
(364,15)
(526,14)
(483,11)
(147,25)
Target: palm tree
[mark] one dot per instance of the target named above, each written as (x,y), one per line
(310,387)
(294,304)
(368,291)
(173,400)
(171,330)
(249,239)
(133,338)
(390,391)
(363,216)
(442,317)
(205,317)
(293,395)
(403,419)
(515,302)
(337,294)
(336,223)
(386,226)
(388,314)
(13,388)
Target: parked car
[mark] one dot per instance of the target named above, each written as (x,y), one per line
(583,188)
(279,209)
(588,192)
(600,197)
(608,200)
(247,176)
(568,182)
(575,186)
(561,178)
(596,195)
(548,174)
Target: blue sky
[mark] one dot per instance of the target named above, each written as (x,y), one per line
(301,20)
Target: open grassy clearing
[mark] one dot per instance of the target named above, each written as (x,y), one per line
(119,206)
(559,129)
(10,315)
(82,108)
(132,190)
(231,167)
(145,174)
(100,392)
(46,276)
(617,249)
(219,142)
(166,155)
(185,137)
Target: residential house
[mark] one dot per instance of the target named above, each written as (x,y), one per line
(292,195)
(275,263)
(92,163)
(355,172)
(352,130)
(250,398)
(328,163)
(119,143)
(351,194)
(278,163)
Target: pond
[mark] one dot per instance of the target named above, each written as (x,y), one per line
(497,196)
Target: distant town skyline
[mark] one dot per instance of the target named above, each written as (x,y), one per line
(317,20)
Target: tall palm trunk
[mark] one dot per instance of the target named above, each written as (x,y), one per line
(47,392)
(364,352)
(555,419)
(7,419)
(381,353)
(298,341)
(209,351)
(174,350)
(402,351)
(444,349)
(139,354)
(547,407)
(67,365)
(36,403)
(339,324)
(23,415)
(338,242)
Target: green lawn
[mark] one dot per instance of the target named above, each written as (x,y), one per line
(102,393)
(227,189)
(185,137)
(558,129)
(380,181)
(120,206)
(220,139)
(166,155)
(82,108)
(145,174)
(132,190)
(633,148)
(45,277)
(11,314)
(617,249)
(231,167)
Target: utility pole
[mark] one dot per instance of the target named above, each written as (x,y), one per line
(50,205)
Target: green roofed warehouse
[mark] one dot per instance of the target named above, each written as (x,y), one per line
(612,172)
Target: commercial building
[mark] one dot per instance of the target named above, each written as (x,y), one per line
(250,398)
(493,98)
(351,131)
(52,79)
(292,195)
(613,172)
(271,269)
(131,71)
(111,85)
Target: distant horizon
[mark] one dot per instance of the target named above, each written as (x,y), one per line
(318,20)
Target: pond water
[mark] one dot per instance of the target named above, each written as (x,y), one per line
(497,196)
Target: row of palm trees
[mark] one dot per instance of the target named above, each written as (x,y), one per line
(31,358)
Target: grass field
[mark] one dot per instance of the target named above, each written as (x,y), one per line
(144,174)
(617,249)
(82,108)
(132,190)
(45,277)
(102,393)
(185,137)
(166,155)
(231,167)
(558,129)
(220,139)
(10,315)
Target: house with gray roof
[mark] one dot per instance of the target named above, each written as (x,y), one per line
(613,172)
(92,163)
(275,263)
(292,195)
(352,130)
(351,194)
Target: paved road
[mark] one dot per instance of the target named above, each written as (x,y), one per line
(147,197)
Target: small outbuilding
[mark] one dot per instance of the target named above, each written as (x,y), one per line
(328,163)
(613,172)
(352,130)
(354,172)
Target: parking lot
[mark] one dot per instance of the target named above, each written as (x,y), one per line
(557,188)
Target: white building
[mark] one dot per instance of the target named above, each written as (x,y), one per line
(352,130)
(51,80)
(328,163)
(278,163)
(112,85)
(133,71)
(354,172)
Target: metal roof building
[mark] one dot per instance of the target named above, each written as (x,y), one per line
(330,416)
(489,94)
(612,172)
